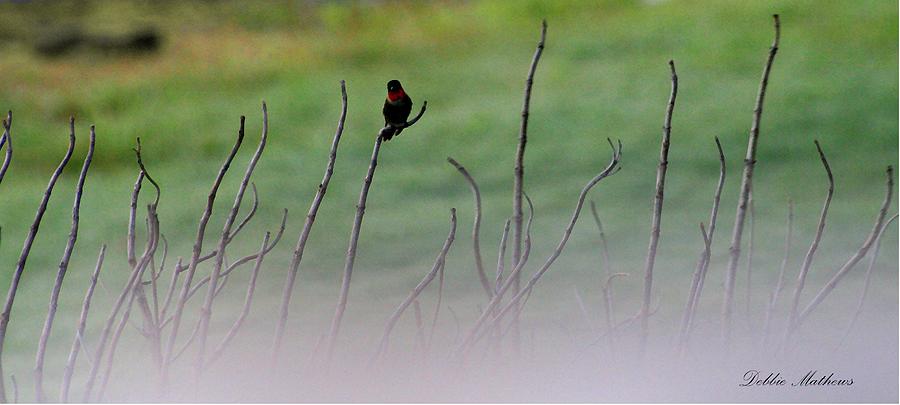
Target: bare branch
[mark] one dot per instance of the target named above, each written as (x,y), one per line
(307,229)
(206,310)
(703,263)
(61,273)
(6,139)
(870,240)
(501,258)
(354,234)
(807,260)
(26,250)
(438,264)
(248,300)
(656,217)
(868,282)
(474,334)
(79,330)
(249,215)
(609,313)
(779,285)
(519,169)
(476,227)
(746,186)
(195,256)
(127,292)
(246,259)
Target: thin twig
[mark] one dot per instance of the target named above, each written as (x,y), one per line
(501,258)
(746,186)
(206,310)
(248,300)
(609,313)
(474,334)
(195,257)
(132,216)
(26,250)
(519,170)
(127,291)
(699,277)
(807,260)
(604,248)
(868,282)
(870,240)
(6,139)
(476,227)
(61,273)
(69,369)
(307,228)
(246,259)
(779,284)
(750,233)
(657,208)
(438,264)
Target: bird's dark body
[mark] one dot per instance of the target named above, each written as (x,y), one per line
(396,111)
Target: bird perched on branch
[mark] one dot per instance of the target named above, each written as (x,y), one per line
(397,107)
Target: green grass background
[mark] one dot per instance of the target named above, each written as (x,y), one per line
(603,74)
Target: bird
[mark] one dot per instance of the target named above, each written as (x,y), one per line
(397,107)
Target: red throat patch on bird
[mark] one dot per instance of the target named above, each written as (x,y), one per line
(395,95)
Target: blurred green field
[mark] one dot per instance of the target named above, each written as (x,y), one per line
(603,74)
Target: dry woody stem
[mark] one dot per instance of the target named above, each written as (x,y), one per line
(744,196)
(656,216)
(61,273)
(26,250)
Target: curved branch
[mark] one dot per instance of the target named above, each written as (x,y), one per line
(474,334)
(807,260)
(7,139)
(61,273)
(438,264)
(390,128)
(870,240)
(476,227)
(26,250)
(206,310)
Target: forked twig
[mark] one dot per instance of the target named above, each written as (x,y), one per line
(699,277)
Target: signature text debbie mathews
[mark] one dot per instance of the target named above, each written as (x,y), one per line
(813,378)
